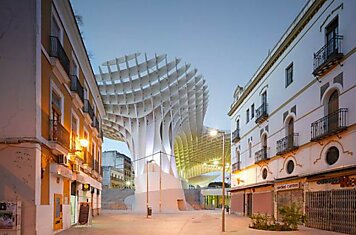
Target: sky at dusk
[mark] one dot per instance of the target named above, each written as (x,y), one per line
(225,40)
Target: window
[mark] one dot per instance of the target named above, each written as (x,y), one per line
(332,155)
(247,115)
(331,36)
(250,150)
(289,75)
(252,111)
(238,124)
(290,167)
(264,174)
(75,67)
(56,106)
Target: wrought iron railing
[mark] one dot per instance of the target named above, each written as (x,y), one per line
(236,135)
(288,143)
(236,166)
(261,155)
(58,52)
(330,124)
(261,112)
(77,87)
(88,109)
(331,50)
(58,133)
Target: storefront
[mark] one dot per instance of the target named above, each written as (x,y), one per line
(251,199)
(289,192)
(331,201)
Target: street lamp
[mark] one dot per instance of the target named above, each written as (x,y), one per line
(147,186)
(213,133)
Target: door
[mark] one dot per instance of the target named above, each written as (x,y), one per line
(58,212)
(331,38)
(73,202)
(287,198)
(333,115)
(249,204)
(290,133)
(333,210)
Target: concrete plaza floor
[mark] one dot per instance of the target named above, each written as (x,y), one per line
(203,222)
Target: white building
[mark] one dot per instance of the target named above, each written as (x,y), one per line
(294,126)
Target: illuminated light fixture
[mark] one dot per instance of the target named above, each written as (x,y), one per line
(84,143)
(216,162)
(204,164)
(213,132)
(128,183)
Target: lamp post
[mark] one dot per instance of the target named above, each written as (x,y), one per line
(215,133)
(160,182)
(147,186)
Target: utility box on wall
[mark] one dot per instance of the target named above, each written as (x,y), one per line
(10,217)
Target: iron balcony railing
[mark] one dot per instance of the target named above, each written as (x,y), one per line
(88,109)
(261,113)
(58,133)
(77,87)
(236,135)
(328,55)
(236,166)
(328,125)
(287,144)
(58,52)
(261,155)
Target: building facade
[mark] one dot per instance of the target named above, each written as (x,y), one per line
(50,112)
(294,123)
(117,170)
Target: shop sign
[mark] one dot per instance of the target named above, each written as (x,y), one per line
(288,186)
(344,181)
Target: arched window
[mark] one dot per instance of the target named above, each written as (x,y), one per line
(333,107)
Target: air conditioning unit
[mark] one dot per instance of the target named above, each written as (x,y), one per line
(75,167)
(62,159)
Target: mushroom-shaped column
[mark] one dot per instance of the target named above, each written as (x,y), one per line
(149,102)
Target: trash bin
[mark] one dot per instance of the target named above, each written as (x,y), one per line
(227,209)
(149,211)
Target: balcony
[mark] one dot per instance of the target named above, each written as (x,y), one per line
(236,166)
(58,52)
(261,113)
(261,155)
(58,135)
(287,144)
(77,88)
(236,136)
(88,109)
(329,125)
(329,55)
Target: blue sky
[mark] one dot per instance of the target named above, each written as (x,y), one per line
(225,40)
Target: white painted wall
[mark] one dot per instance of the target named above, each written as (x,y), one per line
(309,105)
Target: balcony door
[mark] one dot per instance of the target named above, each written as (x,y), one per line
(290,132)
(332,31)
(264,97)
(333,115)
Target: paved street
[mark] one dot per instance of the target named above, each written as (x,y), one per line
(192,222)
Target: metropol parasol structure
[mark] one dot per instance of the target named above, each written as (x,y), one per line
(157,106)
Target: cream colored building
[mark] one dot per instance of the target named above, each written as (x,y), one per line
(294,123)
(50,116)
